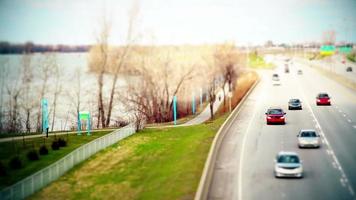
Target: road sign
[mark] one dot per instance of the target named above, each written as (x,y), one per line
(327,50)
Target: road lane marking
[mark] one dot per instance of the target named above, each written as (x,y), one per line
(239,190)
(349,120)
(354,126)
(327,143)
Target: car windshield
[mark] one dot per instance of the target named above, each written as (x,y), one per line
(275,111)
(288,159)
(323,96)
(308,134)
(294,101)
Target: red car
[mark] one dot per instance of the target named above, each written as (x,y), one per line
(275,116)
(323,99)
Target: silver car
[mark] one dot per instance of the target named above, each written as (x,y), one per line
(288,164)
(308,138)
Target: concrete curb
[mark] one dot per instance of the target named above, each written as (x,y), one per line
(205,180)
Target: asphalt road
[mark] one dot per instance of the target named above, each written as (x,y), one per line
(334,64)
(244,167)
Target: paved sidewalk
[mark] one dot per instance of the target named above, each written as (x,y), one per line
(205,114)
(7,139)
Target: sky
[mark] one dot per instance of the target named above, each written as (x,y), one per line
(246,22)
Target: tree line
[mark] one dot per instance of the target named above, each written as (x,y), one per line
(10,48)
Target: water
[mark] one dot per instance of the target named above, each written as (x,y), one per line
(69,64)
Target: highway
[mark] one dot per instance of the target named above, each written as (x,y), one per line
(244,165)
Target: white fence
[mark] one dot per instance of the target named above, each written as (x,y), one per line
(40,179)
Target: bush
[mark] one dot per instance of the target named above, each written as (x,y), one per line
(43,150)
(2,169)
(62,142)
(33,155)
(15,163)
(55,145)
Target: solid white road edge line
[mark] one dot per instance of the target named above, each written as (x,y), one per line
(239,191)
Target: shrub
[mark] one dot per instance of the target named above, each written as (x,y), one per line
(2,169)
(33,155)
(43,150)
(55,145)
(15,163)
(62,142)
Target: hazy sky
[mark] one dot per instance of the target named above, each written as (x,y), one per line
(178,21)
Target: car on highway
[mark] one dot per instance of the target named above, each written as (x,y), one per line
(349,69)
(294,104)
(276,79)
(286,68)
(288,164)
(323,99)
(275,115)
(299,72)
(308,138)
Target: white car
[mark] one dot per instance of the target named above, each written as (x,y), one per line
(275,79)
(288,164)
(308,138)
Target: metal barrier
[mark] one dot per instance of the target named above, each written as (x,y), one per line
(40,179)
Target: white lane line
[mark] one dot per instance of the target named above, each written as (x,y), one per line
(354,126)
(242,152)
(349,120)
(327,143)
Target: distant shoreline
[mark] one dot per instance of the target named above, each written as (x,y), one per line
(29,47)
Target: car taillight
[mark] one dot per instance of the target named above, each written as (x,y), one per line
(318,100)
(282,117)
(328,100)
(269,117)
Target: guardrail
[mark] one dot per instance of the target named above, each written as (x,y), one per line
(205,180)
(40,179)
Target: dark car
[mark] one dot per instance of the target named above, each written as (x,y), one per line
(294,104)
(275,116)
(300,72)
(286,69)
(323,99)
(349,69)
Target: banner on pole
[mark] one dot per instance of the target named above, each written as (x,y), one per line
(44,105)
(175,110)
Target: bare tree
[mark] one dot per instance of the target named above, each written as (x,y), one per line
(75,94)
(121,55)
(3,72)
(45,71)
(27,88)
(99,56)
(57,91)
(226,58)
(13,91)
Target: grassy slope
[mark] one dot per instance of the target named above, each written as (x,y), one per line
(160,163)
(157,163)
(256,61)
(10,149)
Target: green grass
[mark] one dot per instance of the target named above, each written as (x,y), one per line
(256,61)
(156,163)
(13,148)
(351,56)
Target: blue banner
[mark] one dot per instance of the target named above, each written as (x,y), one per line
(175,109)
(44,104)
